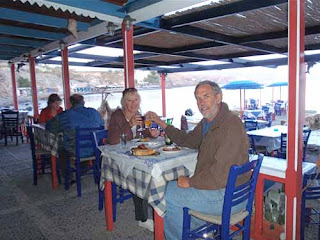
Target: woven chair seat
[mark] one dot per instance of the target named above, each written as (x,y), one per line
(313,203)
(235,218)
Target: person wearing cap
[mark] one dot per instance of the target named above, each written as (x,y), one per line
(52,110)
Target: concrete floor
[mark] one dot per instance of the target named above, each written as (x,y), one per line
(38,212)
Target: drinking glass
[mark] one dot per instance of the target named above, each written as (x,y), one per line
(123,140)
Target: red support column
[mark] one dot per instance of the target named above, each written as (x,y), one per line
(128,61)
(14,86)
(34,87)
(163,92)
(65,77)
(241,109)
(296,113)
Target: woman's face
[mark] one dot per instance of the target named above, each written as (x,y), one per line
(132,103)
(55,105)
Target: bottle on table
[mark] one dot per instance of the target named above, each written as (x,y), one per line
(166,138)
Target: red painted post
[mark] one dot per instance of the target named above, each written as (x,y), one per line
(128,62)
(65,77)
(163,92)
(34,87)
(14,86)
(296,114)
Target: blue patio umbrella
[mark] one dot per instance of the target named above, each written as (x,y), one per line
(243,84)
(277,84)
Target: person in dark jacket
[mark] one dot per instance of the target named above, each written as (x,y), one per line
(222,142)
(66,122)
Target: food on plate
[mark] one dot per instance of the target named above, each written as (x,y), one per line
(146,139)
(143,150)
(171,149)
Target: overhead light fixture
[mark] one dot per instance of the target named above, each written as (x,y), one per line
(111,28)
(128,22)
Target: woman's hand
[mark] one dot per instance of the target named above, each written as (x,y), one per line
(135,120)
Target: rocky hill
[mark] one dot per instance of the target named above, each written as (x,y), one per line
(50,77)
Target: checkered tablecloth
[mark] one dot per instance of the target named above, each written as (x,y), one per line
(146,179)
(46,140)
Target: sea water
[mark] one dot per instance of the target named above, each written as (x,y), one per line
(181,98)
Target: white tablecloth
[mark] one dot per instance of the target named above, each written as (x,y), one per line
(254,114)
(268,137)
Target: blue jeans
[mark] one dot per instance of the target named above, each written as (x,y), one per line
(205,201)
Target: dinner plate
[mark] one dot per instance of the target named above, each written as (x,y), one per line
(170,149)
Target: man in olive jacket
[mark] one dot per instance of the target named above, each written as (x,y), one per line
(222,142)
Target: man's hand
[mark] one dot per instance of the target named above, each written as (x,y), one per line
(154,117)
(183,182)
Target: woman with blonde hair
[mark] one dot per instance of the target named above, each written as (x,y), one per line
(126,120)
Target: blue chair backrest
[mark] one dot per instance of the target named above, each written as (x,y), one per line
(283,143)
(31,137)
(235,195)
(84,147)
(98,137)
(306,135)
(251,125)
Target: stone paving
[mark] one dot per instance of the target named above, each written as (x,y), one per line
(39,212)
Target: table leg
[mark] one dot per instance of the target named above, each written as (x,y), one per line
(54,172)
(108,205)
(158,226)
(259,206)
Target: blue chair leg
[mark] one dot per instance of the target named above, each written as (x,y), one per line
(35,174)
(186,224)
(78,176)
(246,232)
(101,200)
(114,201)
(58,172)
(68,169)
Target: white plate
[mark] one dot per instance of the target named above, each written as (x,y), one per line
(170,151)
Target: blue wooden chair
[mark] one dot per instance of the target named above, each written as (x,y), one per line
(44,164)
(306,135)
(282,152)
(310,204)
(118,194)
(251,125)
(234,195)
(10,126)
(252,149)
(83,143)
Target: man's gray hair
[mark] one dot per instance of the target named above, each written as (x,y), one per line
(214,86)
(76,99)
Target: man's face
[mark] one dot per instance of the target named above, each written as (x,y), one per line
(208,103)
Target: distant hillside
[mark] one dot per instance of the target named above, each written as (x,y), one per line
(50,77)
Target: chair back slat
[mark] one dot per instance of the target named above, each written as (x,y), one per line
(235,195)
(251,125)
(84,147)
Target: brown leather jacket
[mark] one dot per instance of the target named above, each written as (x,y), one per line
(224,145)
(119,124)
